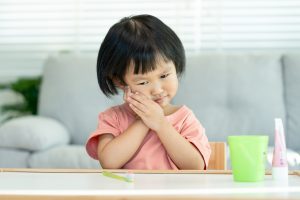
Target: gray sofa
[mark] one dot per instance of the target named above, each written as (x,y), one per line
(231,94)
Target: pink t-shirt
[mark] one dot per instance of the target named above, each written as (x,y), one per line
(151,154)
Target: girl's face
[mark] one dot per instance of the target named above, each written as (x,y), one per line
(160,85)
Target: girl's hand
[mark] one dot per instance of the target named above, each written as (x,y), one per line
(127,93)
(149,111)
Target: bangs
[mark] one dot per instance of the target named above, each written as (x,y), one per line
(146,62)
(141,47)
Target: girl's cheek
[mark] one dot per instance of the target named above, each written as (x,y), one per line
(140,89)
(135,89)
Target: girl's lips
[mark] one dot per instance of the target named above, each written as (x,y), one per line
(159,100)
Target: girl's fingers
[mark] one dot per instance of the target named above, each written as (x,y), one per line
(127,93)
(136,109)
(140,98)
(138,104)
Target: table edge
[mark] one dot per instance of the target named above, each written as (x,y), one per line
(67,170)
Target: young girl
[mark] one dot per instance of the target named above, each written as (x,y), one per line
(143,57)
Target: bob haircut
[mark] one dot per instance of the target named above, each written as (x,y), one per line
(140,40)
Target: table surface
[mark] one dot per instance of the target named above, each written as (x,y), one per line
(186,184)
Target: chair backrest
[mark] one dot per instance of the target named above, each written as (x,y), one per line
(217,159)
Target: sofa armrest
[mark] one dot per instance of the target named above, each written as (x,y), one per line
(33,133)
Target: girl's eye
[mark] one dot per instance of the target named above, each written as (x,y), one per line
(165,76)
(143,83)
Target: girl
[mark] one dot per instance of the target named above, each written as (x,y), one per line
(143,57)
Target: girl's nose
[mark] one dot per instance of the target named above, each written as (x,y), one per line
(157,89)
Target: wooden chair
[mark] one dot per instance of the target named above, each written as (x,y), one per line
(217,159)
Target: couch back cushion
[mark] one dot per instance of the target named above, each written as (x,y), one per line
(234,94)
(291,73)
(70,94)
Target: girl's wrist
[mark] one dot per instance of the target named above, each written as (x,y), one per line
(162,125)
(140,122)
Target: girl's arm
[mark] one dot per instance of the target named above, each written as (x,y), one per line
(181,151)
(114,152)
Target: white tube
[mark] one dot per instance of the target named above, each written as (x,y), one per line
(279,163)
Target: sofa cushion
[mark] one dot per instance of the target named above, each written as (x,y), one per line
(70,94)
(13,158)
(66,156)
(234,94)
(32,133)
(291,73)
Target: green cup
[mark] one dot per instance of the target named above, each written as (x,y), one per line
(248,156)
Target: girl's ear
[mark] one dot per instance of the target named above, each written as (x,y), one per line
(119,84)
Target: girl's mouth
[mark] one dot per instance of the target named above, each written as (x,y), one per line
(159,100)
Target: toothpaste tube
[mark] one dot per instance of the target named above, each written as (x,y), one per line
(279,163)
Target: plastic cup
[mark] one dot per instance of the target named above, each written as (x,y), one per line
(248,156)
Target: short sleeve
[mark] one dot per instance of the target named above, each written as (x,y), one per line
(194,132)
(107,123)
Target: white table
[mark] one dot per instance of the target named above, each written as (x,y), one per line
(91,184)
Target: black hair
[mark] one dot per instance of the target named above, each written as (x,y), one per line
(140,40)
